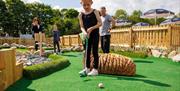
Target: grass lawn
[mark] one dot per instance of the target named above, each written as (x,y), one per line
(153,74)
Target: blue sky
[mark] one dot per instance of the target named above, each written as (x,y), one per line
(113,5)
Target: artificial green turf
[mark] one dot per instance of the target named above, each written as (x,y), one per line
(21,50)
(153,74)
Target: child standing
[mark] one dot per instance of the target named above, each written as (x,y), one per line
(90,22)
(56,38)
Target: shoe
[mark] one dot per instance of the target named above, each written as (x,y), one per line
(84,71)
(94,72)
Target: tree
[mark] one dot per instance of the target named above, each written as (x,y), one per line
(135,17)
(43,12)
(121,14)
(17,17)
(3,16)
(71,13)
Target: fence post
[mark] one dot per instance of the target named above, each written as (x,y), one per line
(70,40)
(78,40)
(131,38)
(62,40)
(169,45)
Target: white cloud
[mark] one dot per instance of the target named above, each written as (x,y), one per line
(57,7)
(32,1)
(143,5)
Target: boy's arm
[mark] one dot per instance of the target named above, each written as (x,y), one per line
(81,24)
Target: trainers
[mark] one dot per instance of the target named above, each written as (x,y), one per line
(94,72)
(84,71)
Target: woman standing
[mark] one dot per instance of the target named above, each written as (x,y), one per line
(36,29)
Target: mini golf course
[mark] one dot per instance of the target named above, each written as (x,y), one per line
(153,74)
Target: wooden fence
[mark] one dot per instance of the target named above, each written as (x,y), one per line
(10,70)
(164,37)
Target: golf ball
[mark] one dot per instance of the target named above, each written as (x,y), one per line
(100,85)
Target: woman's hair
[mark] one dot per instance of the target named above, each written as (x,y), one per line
(36,19)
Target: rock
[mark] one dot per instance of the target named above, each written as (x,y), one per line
(172,54)
(48,52)
(14,45)
(22,46)
(164,54)
(176,58)
(28,64)
(77,48)
(66,50)
(149,52)
(30,48)
(6,45)
(31,59)
(156,53)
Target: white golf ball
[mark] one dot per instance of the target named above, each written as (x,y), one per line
(100,85)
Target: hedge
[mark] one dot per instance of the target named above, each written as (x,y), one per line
(133,54)
(41,70)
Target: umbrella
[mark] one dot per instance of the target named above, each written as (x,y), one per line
(171,21)
(123,22)
(141,24)
(157,13)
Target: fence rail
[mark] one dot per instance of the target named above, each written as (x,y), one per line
(165,37)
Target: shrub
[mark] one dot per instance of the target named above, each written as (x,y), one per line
(41,70)
(48,48)
(133,54)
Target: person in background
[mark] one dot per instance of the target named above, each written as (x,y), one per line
(56,38)
(7,35)
(107,23)
(36,28)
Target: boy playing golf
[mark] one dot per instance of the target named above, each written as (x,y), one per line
(90,22)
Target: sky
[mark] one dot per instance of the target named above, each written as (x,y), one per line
(113,5)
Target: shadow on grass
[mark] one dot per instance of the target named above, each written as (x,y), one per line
(68,55)
(21,85)
(139,78)
(86,80)
(143,61)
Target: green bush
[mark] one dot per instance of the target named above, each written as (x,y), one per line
(41,70)
(48,48)
(133,54)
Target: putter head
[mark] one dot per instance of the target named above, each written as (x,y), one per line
(83,74)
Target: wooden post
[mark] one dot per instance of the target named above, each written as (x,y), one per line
(40,44)
(62,41)
(169,45)
(131,42)
(8,56)
(79,40)
(70,40)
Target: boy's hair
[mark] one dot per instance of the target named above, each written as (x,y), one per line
(86,1)
(55,26)
(103,7)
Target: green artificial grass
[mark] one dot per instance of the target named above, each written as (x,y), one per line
(21,50)
(153,74)
(41,70)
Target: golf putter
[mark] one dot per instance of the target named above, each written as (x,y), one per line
(83,74)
